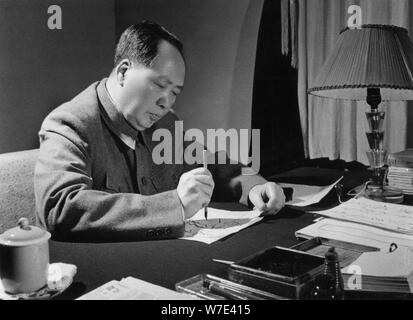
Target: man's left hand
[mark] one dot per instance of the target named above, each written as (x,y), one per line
(267,197)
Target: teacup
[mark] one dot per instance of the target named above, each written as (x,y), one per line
(24,258)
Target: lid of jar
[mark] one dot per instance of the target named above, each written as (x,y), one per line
(331,255)
(23,235)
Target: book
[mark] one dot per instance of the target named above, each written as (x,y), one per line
(382,271)
(401,178)
(401,159)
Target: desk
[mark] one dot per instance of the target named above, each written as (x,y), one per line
(167,262)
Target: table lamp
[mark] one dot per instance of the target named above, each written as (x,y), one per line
(373,63)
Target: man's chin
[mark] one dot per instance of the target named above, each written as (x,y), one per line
(147,125)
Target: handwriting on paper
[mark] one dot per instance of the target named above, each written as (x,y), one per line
(394,217)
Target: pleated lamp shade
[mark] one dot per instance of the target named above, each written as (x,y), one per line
(375,56)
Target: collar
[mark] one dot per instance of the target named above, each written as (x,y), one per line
(114,119)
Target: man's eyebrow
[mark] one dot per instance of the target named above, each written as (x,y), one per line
(166,78)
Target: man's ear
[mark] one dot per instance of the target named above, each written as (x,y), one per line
(121,71)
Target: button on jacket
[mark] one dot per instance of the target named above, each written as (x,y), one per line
(95,179)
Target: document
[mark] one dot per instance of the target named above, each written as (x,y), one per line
(134,289)
(355,233)
(388,216)
(306,195)
(220,224)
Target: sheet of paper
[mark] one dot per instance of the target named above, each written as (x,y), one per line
(134,289)
(220,224)
(355,233)
(389,216)
(300,190)
(308,195)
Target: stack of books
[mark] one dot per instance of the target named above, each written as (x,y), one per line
(400,173)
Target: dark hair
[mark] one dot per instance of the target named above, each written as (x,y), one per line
(139,42)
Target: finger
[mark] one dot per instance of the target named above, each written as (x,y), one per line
(207,180)
(200,170)
(257,201)
(207,190)
(203,198)
(276,197)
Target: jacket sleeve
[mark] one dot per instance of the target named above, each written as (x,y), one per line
(71,210)
(230,184)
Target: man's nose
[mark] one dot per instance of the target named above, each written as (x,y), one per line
(165,101)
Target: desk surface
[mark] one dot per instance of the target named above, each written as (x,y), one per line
(167,262)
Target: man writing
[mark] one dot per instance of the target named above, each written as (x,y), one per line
(95,179)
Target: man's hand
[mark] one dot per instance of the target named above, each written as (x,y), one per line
(195,189)
(268,197)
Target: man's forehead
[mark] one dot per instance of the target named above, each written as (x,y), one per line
(169,63)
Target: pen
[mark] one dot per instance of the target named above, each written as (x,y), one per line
(228,291)
(204,160)
(223,261)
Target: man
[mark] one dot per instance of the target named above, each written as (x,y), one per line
(95,179)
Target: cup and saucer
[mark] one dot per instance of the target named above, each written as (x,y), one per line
(59,278)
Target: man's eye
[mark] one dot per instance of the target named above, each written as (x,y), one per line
(160,85)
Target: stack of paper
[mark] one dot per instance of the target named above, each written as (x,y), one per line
(382,271)
(401,178)
(373,224)
(365,222)
(355,233)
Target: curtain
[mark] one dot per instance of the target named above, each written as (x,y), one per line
(336,128)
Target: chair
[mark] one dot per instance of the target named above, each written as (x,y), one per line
(16,187)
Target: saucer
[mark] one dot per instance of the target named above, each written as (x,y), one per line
(59,278)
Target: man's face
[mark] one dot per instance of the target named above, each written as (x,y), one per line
(148,93)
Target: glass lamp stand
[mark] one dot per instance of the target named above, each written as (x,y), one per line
(377,189)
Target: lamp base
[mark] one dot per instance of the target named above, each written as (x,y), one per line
(384,194)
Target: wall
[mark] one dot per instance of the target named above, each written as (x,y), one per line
(41,68)
(219,38)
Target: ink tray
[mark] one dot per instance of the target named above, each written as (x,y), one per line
(209,287)
(281,271)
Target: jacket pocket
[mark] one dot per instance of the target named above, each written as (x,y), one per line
(166,179)
(110,184)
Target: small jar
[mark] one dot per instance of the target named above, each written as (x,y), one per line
(24,258)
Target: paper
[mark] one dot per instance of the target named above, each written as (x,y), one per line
(389,216)
(306,195)
(398,263)
(134,289)
(220,224)
(355,233)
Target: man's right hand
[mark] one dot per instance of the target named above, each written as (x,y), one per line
(195,189)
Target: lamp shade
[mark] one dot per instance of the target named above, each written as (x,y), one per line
(375,56)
